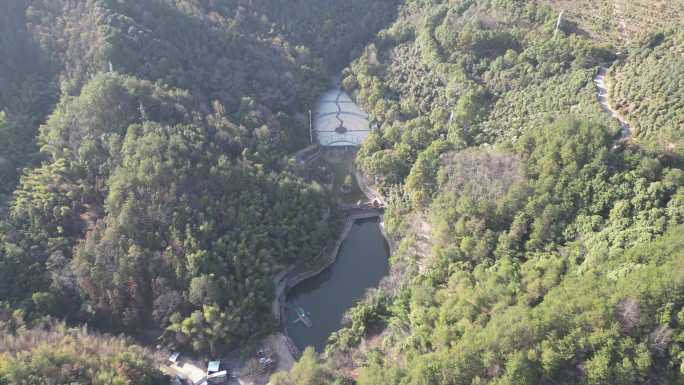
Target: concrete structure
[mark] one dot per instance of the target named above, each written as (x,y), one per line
(338,121)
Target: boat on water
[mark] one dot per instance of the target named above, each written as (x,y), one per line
(303,317)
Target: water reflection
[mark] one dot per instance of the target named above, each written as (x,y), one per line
(361,263)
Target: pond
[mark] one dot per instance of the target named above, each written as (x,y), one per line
(361,263)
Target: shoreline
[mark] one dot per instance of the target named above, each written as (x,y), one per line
(372,194)
(285,280)
(351,219)
(293,275)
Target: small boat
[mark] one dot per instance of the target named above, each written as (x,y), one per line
(303,317)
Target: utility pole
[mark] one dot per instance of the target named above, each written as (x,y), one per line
(558,23)
(310,128)
(451,114)
(143,114)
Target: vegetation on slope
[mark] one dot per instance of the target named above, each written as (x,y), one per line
(178,45)
(468,75)
(26,94)
(145,216)
(536,275)
(552,257)
(621,22)
(259,56)
(51,352)
(620,323)
(647,90)
(336,31)
(163,201)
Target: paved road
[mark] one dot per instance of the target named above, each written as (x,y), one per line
(603,99)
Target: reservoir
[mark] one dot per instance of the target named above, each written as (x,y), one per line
(361,263)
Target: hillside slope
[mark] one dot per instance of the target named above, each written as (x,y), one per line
(553,256)
(162,201)
(53,351)
(647,89)
(621,22)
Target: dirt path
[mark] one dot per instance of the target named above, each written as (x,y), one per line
(370,193)
(186,369)
(604,101)
(619,13)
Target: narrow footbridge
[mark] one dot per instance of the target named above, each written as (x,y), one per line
(363,210)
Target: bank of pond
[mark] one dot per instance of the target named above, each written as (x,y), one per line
(321,301)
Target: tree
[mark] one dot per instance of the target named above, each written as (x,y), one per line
(307,371)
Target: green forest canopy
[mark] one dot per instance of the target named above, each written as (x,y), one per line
(146,186)
(552,256)
(156,194)
(54,353)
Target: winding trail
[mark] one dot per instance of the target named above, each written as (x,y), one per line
(619,13)
(603,99)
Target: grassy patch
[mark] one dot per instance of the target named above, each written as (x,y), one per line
(345,188)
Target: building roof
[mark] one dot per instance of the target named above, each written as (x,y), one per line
(223,373)
(213,366)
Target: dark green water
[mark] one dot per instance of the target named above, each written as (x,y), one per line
(361,263)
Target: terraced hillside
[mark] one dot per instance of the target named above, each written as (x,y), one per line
(646,16)
(621,21)
(649,89)
(470,74)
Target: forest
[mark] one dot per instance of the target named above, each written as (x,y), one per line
(647,91)
(148,188)
(68,355)
(146,180)
(534,246)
